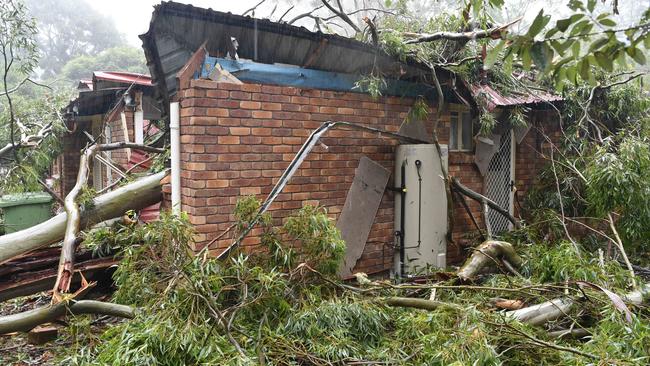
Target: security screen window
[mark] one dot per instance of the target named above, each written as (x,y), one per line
(461,134)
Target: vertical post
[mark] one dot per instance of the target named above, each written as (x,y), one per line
(175,136)
(138,132)
(125,131)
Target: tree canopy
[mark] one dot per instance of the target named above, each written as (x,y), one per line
(68,29)
(122,58)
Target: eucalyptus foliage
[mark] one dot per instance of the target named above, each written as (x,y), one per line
(285,314)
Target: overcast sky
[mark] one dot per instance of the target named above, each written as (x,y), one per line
(132,16)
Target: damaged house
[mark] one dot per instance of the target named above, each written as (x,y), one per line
(113,106)
(247,101)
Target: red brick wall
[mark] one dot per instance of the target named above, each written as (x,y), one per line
(462,167)
(68,161)
(238,139)
(533,151)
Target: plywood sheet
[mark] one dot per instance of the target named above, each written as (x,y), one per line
(360,209)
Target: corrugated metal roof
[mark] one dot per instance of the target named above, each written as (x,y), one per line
(123,77)
(496,99)
(85,84)
(177,30)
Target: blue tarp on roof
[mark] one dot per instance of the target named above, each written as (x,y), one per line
(288,75)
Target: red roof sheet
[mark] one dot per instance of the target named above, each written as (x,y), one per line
(85,84)
(496,99)
(123,77)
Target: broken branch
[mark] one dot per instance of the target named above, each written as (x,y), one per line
(483,200)
(27,320)
(73,224)
(485,255)
(493,33)
(134,196)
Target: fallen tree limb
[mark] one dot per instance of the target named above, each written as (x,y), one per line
(486,256)
(558,308)
(23,322)
(544,312)
(73,224)
(569,333)
(410,302)
(493,33)
(483,201)
(134,196)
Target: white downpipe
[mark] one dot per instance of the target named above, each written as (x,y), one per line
(175,131)
(139,127)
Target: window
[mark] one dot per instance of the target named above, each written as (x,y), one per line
(461,136)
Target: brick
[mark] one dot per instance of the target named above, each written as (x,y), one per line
(212,93)
(218,183)
(239,95)
(228,140)
(239,113)
(249,105)
(240,131)
(271,106)
(345,111)
(254,88)
(261,131)
(217,112)
(262,114)
(300,100)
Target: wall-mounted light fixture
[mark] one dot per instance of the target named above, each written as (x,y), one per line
(129,101)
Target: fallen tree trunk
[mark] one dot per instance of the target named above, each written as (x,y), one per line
(73,225)
(25,321)
(488,255)
(134,196)
(558,308)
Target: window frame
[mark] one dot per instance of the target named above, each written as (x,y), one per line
(459,131)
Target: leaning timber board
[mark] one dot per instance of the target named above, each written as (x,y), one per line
(360,209)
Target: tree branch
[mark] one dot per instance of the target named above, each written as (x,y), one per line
(341,14)
(494,33)
(483,200)
(66,263)
(23,322)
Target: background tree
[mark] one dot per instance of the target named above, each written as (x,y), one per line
(28,120)
(68,29)
(19,56)
(122,58)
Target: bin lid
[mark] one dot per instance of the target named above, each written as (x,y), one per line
(29,198)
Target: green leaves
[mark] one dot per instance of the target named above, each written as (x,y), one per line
(636,54)
(542,55)
(493,54)
(538,24)
(605,61)
(18,36)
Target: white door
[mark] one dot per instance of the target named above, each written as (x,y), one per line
(499,182)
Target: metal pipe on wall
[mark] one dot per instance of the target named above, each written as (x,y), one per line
(175,140)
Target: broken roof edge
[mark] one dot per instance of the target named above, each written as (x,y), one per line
(205,21)
(495,98)
(122,77)
(265,25)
